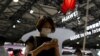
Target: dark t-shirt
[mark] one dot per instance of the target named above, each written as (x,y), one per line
(40,40)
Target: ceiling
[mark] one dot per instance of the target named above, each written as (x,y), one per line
(16,19)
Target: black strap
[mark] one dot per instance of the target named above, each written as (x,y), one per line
(35,42)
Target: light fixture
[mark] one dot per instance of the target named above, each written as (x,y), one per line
(14,26)
(99,36)
(31,11)
(98,53)
(77,42)
(97,44)
(18,21)
(15,0)
(78,18)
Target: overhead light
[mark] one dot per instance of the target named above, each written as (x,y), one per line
(14,26)
(18,21)
(99,36)
(78,18)
(97,44)
(31,11)
(15,0)
(77,42)
(98,53)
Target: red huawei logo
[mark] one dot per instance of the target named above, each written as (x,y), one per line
(68,5)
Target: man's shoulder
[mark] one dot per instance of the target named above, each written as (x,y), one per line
(30,39)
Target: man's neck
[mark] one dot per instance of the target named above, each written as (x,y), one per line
(43,35)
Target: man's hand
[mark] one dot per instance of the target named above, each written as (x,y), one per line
(51,44)
(45,46)
(54,43)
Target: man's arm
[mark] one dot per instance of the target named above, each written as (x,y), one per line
(56,46)
(57,51)
(44,46)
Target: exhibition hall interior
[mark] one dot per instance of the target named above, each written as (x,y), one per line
(77,25)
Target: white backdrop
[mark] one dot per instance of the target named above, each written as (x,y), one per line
(61,34)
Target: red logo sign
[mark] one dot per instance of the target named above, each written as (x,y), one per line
(68,5)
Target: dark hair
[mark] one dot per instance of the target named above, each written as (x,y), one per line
(42,21)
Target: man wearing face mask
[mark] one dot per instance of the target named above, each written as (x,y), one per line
(43,45)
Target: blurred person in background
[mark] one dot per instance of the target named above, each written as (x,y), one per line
(3,52)
(17,52)
(43,45)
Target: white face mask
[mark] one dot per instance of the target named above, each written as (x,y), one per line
(45,31)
